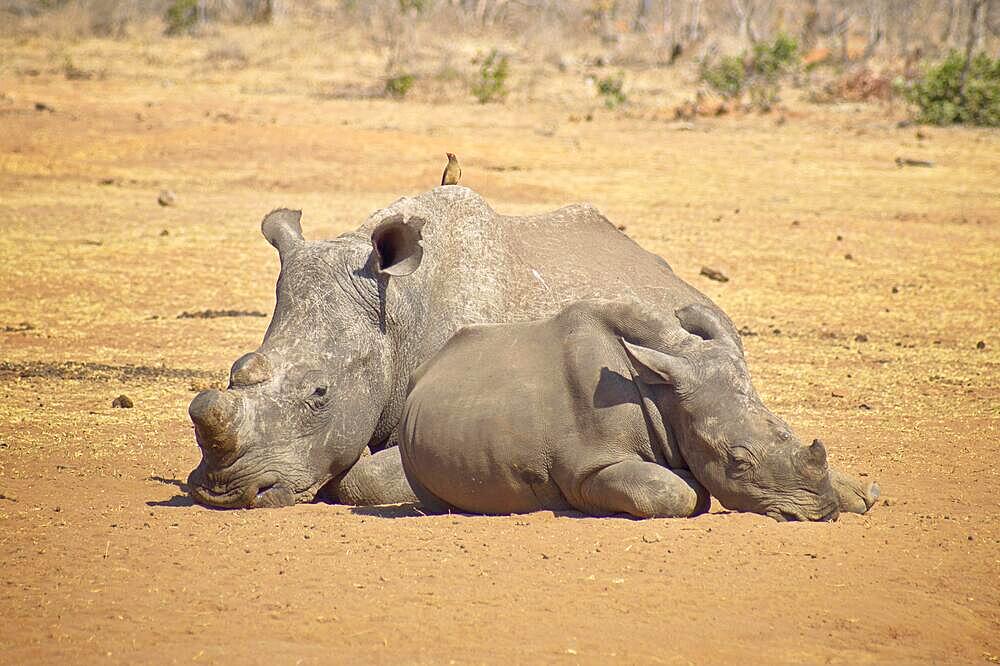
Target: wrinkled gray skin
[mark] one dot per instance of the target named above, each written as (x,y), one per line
(606,408)
(356,315)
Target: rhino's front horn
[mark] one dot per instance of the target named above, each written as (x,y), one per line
(818,453)
(250,369)
(214,415)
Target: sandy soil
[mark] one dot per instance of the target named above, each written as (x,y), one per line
(864,291)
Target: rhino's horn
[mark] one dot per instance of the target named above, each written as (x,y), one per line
(214,415)
(250,369)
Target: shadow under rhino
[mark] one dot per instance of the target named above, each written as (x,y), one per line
(312,413)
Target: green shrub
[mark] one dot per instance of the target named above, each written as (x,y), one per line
(757,72)
(416,6)
(398,86)
(727,77)
(937,94)
(772,61)
(492,83)
(610,88)
(181,16)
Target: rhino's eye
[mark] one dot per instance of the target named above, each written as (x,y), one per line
(318,398)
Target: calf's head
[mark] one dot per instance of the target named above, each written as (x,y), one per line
(301,409)
(747,457)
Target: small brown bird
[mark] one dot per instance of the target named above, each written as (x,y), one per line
(452,172)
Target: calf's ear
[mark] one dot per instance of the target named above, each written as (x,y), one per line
(282,228)
(656,367)
(396,245)
(706,322)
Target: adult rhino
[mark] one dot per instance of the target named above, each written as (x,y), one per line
(355,316)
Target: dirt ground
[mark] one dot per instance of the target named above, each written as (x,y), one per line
(867,294)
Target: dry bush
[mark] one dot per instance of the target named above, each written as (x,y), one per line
(860,84)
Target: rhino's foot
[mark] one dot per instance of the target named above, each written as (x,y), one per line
(374,479)
(645,490)
(856,496)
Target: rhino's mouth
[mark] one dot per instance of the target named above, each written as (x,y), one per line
(267,494)
(238,498)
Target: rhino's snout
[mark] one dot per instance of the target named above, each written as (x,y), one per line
(215,415)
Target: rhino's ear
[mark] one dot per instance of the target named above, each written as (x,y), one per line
(655,367)
(705,321)
(396,245)
(282,228)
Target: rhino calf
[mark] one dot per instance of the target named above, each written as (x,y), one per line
(608,408)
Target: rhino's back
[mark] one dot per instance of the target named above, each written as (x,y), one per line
(575,253)
(481,267)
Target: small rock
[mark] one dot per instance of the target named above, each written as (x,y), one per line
(907,161)
(164,233)
(795,223)
(42,106)
(895,290)
(122,402)
(839,237)
(166,198)
(713,274)
(886,502)
(972,538)
(865,406)
(651,538)
(981,345)
(107,181)
(621,227)
(849,256)
(861,337)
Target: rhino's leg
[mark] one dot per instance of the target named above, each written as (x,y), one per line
(855,496)
(644,489)
(374,479)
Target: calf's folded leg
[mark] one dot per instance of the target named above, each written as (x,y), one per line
(855,496)
(643,489)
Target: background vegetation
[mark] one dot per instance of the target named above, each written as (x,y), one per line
(939,56)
